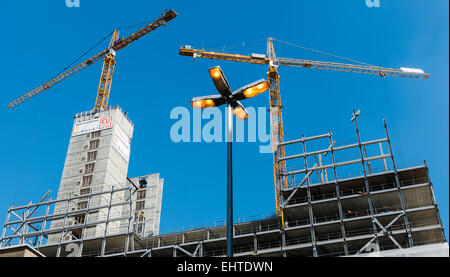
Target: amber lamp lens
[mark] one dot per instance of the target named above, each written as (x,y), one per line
(240,113)
(202,104)
(255,90)
(215,73)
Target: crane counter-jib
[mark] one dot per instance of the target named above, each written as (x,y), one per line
(221,56)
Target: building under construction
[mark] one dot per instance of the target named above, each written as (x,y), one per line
(339,200)
(332,199)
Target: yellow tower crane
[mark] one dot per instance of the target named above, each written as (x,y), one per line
(108,55)
(276,119)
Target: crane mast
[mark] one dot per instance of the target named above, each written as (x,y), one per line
(104,86)
(276,123)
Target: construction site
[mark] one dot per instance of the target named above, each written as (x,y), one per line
(327,203)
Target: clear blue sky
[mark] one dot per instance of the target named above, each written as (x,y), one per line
(39,38)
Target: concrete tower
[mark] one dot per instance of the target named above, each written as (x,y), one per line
(97,159)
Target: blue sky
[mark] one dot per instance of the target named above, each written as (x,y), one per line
(40,38)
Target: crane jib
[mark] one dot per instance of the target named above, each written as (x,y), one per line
(118,44)
(356,68)
(166,17)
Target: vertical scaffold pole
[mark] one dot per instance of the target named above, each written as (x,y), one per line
(399,188)
(310,211)
(338,193)
(366,180)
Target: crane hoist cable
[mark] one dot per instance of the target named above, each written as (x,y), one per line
(239,44)
(99,42)
(321,52)
(84,54)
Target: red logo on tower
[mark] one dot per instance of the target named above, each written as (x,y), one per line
(105,122)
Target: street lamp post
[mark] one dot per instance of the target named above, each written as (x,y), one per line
(229,183)
(235,107)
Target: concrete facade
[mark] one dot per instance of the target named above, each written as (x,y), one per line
(20,251)
(147,204)
(97,160)
(96,201)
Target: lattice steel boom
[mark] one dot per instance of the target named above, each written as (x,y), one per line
(108,56)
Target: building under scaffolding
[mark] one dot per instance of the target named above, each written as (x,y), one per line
(339,200)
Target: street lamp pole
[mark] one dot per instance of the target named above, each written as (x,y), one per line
(234,107)
(230,183)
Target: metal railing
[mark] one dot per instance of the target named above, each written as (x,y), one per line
(218,223)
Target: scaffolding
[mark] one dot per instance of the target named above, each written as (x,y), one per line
(340,200)
(377,197)
(32,223)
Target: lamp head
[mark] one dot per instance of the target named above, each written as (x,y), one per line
(251,90)
(220,81)
(204,102)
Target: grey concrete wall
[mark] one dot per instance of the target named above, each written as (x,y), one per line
(152,204)
(110,169)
